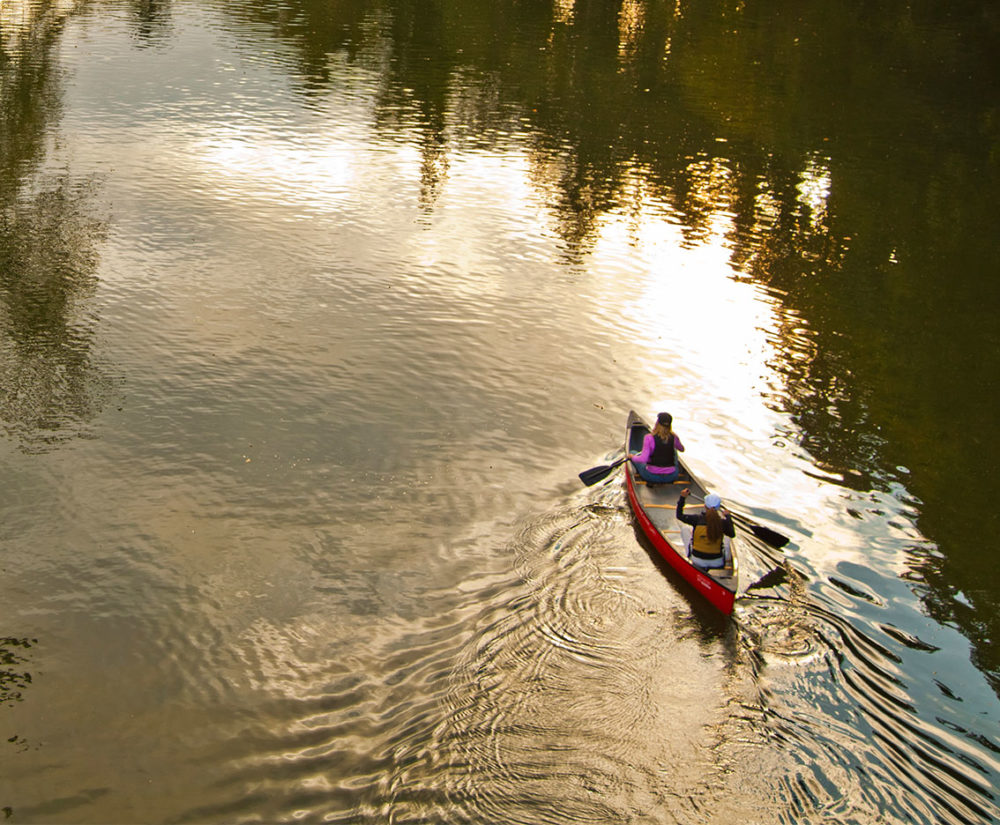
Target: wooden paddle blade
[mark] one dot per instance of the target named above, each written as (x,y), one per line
(594,474)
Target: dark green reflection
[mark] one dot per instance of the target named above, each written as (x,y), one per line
(48,250)
(855,147)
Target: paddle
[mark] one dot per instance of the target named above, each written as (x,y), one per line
(594,474)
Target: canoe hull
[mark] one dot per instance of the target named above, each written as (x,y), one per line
(654,509)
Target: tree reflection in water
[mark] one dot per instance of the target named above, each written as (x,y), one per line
(848,149)
(48,250)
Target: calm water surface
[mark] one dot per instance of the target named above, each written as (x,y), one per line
(310,315)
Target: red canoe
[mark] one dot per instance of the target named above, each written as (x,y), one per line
(655,505)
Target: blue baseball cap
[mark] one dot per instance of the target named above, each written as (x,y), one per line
(713,501)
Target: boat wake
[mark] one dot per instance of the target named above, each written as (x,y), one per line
(600,688)
(580,681)
(589,694)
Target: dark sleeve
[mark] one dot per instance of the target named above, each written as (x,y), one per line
(682,516)
(727,526)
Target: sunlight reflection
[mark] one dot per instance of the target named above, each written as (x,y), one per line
(814,186)
(690,295)
(767,208)
(699,328)
(265,166)
(563,11)
(712,192)
(695,324)
(631,19)
(489,202)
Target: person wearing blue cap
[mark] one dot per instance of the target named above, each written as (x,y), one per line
(707,546)
(657,463)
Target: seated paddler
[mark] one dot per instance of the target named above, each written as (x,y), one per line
(708,546)
(657,463)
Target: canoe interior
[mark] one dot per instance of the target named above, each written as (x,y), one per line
(659,501)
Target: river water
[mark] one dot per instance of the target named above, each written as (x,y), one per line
(310,314)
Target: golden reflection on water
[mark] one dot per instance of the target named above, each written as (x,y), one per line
(631,19)
(696,321)
(321,173)
(657,288)
(564,11)
(692,318)
(686,321)
(815,183)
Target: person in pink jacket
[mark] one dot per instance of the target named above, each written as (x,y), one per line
(657,463)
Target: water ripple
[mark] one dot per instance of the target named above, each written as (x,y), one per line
(876,732)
